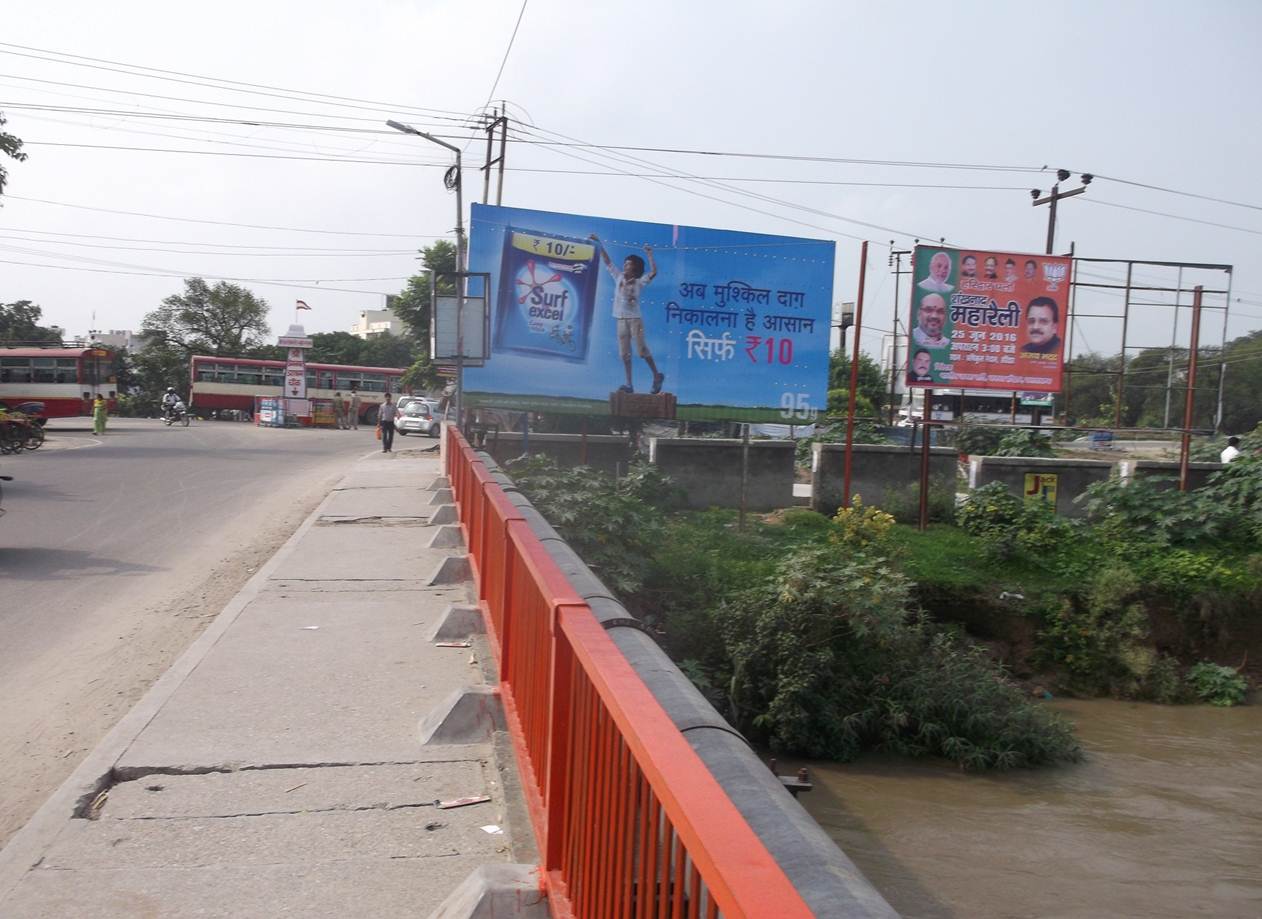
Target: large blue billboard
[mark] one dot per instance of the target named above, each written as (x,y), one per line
(595,315)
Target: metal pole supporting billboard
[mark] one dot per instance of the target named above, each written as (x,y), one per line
(1222,359)
(854,375)
(925,431)
(897,256)
(1121,375)
(1185,440)
(1174,341)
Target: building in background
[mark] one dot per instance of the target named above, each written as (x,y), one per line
(117,339)
(372,323)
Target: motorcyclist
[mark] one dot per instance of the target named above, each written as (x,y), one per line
(169,401)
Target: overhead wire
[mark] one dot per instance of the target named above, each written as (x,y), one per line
(223,223)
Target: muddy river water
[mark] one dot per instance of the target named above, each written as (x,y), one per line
(1162,819)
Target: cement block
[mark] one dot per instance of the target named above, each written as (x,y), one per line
(441,496)
(1073,477)
(470,715)
(454,569)
(448,536)
(1167,473)
(497,892)
(458,622)
(440,482)
(882,475)
(709,471)
(443,515)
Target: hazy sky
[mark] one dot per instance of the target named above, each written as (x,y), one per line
(1161,93)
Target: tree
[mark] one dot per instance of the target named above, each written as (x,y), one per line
(873,389)
(413,305)
(10,146)
(224,319)
(19,322)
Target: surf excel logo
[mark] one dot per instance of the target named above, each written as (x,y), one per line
(545,295)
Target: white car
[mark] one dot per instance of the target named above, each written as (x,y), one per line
(418,416)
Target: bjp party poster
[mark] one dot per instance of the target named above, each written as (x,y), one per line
(987,320)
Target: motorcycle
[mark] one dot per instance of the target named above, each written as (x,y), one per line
(176,414)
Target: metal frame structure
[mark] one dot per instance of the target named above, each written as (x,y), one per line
(1129,288)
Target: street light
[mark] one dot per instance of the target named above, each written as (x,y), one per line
(452,179)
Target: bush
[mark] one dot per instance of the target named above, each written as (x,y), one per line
(861,528)
(614,525)
(1216,684)
(827,660)
(978,439)
(1024,443)
(1010,526)
(1097,639)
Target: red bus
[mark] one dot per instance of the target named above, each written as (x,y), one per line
(233,383)
(66,380)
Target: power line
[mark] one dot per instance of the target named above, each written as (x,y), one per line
(235,105)
(220,223)
(511,39)
(253,156)
(362,254)
(1175,191)
(213,277)
(1208,223)
(338,250)
(260,89)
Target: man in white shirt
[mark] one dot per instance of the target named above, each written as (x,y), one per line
(631,282)
(1231,451)
(930,321)
(385,420)
(939,272)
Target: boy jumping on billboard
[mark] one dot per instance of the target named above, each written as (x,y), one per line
(630,282)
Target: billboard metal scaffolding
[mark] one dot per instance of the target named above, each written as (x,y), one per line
(1146,288)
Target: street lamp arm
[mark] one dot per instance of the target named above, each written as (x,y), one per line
(408,129)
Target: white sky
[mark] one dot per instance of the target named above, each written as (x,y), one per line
(1162,93)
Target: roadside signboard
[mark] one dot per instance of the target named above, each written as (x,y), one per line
(1041,486)
(595,315)
(987,320)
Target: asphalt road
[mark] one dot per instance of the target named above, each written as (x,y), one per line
(115,552)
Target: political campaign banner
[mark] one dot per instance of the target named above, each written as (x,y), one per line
(987,320)
(596,315)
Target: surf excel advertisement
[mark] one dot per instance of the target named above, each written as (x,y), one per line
(588,313)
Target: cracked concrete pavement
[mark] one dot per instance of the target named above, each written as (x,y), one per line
(277,768)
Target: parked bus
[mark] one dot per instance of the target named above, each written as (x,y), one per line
(233,383)
(66,380)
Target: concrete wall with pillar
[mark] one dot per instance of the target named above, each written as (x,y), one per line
(882,475)
(709,471)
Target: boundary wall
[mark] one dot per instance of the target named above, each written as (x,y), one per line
(644,801)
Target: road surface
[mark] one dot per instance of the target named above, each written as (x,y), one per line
(115,552)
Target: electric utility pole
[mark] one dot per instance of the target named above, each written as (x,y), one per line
(895,262)
(1062,175)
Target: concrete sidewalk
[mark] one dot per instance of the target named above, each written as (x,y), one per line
(279,767)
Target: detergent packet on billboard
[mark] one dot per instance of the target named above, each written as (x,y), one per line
(547,294)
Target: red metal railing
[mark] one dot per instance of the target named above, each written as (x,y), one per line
(630,822)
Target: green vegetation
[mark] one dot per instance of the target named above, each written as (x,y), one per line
(1216,684)
(802,629)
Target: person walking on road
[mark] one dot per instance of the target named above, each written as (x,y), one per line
(354,419)
(385,420)
(100,413)
(339,412)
